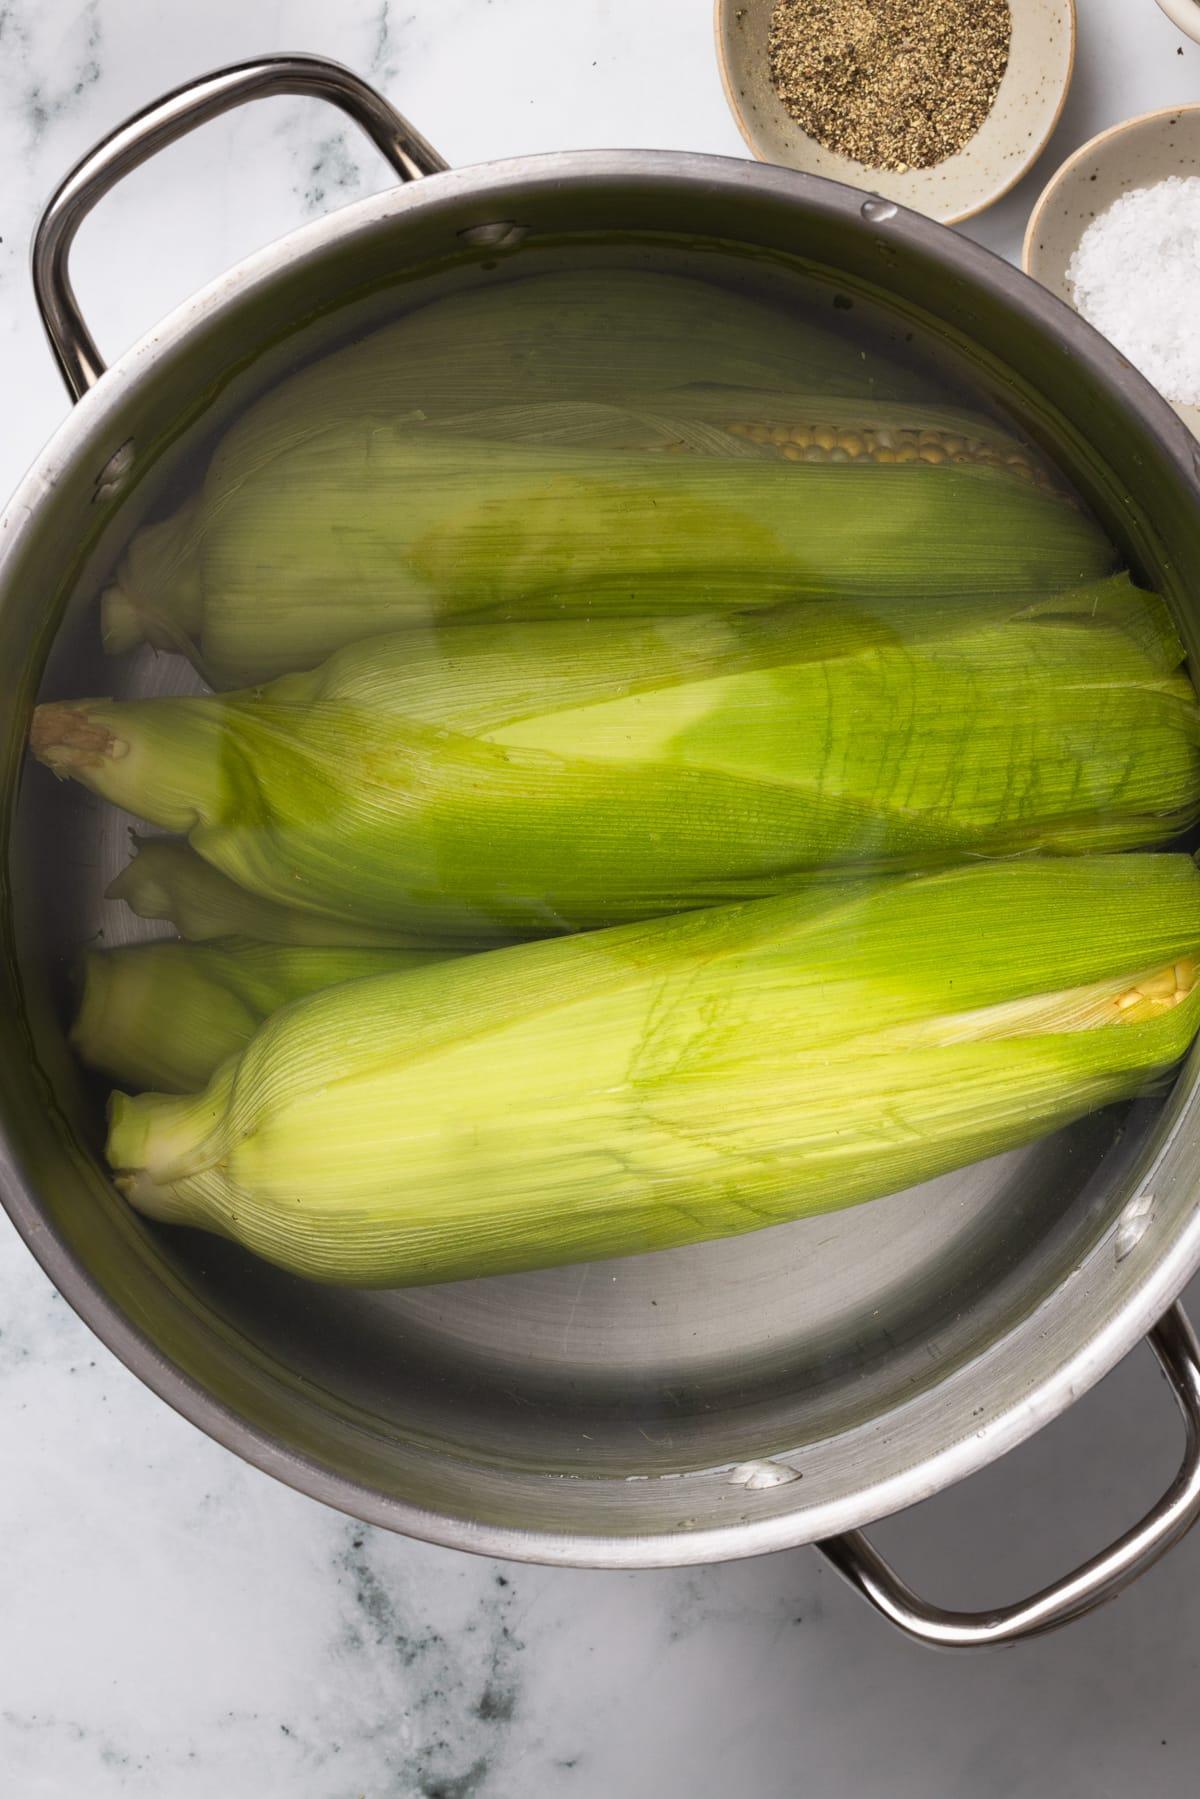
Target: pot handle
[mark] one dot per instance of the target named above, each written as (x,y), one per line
(1103,1577)
(162,123)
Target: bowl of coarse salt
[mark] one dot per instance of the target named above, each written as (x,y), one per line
(1116,234)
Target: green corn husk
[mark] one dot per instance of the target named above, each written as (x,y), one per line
(167,880)
(166,1015)
(367,529)
(600,339)
(677,1080)
(597,336)
(495,782)
(740,424)
(505,454)
(520,361)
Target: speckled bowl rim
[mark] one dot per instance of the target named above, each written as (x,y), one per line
(1066,169)
(1018,172)
(1184,15)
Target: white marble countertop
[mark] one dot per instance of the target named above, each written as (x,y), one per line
(173,1625)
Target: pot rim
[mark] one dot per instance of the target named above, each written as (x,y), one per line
(1151,1286)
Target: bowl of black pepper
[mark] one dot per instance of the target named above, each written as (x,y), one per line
(941,105)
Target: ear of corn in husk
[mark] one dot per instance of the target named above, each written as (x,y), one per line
(491,781)
(542,360)
(369,526)
(166,1015)
(744,425)
(682,1079)
(167,880)
(554,338)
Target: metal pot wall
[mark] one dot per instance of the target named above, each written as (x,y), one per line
(781,1390)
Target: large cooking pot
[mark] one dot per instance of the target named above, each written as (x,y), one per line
(786,1388)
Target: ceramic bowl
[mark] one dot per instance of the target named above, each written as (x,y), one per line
(1012,136)
(1185,14)
(1135,154)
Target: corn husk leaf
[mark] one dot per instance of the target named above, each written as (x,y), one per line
(370,526)
(682,1079)
(506,781)
(560,337)
(167,880)
(166,1015)
(546,341)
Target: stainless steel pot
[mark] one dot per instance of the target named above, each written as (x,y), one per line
(717,1402)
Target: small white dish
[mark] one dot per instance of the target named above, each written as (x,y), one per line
(1185,14)
(1137,153)
(1026,110)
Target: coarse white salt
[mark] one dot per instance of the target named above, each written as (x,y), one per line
(1134,276)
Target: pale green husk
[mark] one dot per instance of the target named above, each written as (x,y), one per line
(582,336)
(167,880)
(166,1015)
(498,781)
(507,454)
(552,359)
(677,1080)
(367,529)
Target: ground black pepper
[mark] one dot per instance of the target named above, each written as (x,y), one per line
(896,84)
